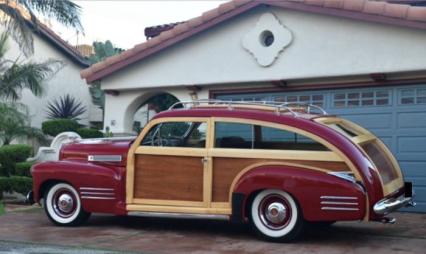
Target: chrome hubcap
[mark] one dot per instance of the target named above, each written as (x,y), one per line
(65,203)
(276,213)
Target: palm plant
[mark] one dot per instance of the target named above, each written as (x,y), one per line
(20,18)
(16,76)
(67,107)
(14,124)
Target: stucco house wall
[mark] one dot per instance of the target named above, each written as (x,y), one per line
(66,81)
(323,48)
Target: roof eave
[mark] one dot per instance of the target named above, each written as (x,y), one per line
(290,5)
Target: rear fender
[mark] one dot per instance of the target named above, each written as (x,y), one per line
(321,196)
(101,187)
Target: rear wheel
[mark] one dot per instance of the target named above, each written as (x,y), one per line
(63,205)
(276,216)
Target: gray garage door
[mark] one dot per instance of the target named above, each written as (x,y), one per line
(395,114)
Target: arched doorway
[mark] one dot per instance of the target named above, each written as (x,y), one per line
(150,107)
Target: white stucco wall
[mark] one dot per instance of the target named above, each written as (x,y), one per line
(66,81)
(322,46)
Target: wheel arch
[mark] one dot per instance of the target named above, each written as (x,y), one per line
(304,184)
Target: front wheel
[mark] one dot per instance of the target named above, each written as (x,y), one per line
(63,205)
(276,216)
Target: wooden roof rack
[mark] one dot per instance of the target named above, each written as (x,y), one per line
(294,108)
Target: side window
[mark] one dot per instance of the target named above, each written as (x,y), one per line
(271,138)
(177,134)
(233,135)
(247,136)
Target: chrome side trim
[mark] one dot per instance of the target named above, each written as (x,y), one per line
(180,215)
(348,176)
(105,158)
(93,197)
(339,208)
(338,203)
(97,193)
(338,197)
(95,189)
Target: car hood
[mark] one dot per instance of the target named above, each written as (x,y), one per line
(98,150)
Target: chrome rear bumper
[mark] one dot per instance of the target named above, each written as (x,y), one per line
(388,205)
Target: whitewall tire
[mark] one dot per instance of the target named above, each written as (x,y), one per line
(276,216)
(63,205)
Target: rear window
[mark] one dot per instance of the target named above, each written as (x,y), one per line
(383,164)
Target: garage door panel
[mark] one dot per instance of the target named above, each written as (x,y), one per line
(412,144)
(413,168)
(411,120)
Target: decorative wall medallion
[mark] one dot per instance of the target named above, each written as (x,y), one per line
(267,39)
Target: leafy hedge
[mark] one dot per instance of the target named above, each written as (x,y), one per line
(89,133)
(20,184)
(10,155)
(56,126)
(23,168)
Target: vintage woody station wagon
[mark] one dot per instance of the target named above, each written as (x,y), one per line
(275,166)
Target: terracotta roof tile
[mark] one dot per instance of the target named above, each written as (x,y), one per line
(338,4)
(241,2)
(209,15)
(395,10)
(181,28)
(168,34)
(377,10)
(354,5)
(315,2)
(226,7)
(416,13)
(371,7)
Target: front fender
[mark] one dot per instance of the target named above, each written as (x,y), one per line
(89,176)
(321,196)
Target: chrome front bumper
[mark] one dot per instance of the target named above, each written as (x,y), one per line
(389,205)
(30,198)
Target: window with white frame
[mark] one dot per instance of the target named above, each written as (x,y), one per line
(362,98)
(412,96)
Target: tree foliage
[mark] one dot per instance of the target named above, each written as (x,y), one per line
(16,75)
(103,50)
(14,124)
(20,17)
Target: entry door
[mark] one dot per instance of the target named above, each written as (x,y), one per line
(170,164)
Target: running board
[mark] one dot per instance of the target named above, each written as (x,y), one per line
(180,215)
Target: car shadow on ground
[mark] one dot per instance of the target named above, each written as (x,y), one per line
(313,234)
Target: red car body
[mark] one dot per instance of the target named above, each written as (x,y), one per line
(312,189)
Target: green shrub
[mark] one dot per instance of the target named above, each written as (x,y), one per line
(56,126)
(4,186)
(23,168)
(11,154)
(90,133)
(20,184)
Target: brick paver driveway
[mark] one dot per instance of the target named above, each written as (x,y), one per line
(150,235)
